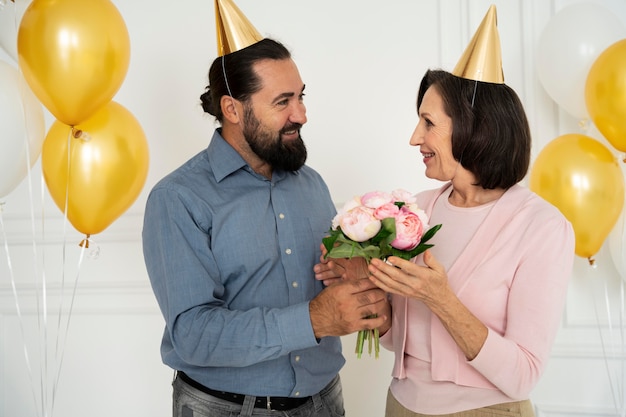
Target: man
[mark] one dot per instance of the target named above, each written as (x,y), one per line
(230,241)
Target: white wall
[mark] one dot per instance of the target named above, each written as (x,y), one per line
(362,62)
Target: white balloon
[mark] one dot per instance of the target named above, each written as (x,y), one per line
(10,17)
(22,125)
(568,46)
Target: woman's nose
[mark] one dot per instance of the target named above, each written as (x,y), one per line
(416,137)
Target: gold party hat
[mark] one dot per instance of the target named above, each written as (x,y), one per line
(482,59)
(234,30)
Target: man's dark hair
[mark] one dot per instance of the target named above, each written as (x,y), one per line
(490,132)
(242,80)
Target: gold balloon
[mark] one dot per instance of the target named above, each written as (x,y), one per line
(582,178)
(605,94)
(74,54)
(107,167)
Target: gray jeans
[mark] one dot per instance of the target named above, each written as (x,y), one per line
(190,402)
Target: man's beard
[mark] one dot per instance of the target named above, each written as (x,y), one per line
(270,147)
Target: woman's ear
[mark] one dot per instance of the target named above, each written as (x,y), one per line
(231,109)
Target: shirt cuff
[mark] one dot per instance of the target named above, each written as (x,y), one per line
(296,331)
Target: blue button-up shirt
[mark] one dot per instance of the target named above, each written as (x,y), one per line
(230,257)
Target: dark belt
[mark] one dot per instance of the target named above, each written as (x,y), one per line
(269,403)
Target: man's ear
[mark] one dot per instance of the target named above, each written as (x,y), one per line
(231,109)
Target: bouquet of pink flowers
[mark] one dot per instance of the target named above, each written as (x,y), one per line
(378,225)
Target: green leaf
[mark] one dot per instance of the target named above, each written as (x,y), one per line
(430,233)
(329,241)
(346,250)
(387,232)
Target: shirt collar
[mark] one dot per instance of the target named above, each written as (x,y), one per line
(223,158)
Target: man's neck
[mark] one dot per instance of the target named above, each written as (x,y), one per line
(235,139)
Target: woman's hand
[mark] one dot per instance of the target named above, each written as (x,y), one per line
(398,276)
(430,284)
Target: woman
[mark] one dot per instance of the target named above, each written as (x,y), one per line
(475,317)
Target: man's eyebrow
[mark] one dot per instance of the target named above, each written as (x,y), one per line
(287,95)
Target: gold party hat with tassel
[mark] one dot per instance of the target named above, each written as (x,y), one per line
(234,30)
(482,59)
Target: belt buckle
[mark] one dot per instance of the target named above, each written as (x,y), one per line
(268,403)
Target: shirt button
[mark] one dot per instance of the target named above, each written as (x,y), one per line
(294,284)
(297,358)
(281,215)
(297,394)
(288,251)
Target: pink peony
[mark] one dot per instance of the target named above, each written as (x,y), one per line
(386,210)
(403,195)
(375,199)
(413,207)
(359,224)
(349,205)
(409,230)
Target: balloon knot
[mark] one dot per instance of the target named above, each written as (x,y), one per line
(85,242)
(80,134)
(592,262)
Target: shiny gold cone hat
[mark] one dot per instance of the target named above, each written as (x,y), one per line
(482,59)
(234,30)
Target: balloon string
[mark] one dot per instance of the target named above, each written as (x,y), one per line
(43,257)
(623,352)
(622,263)
(41,298)
(42,320)
(60,347)
(42,331)
(41,314)
(622,259)
(603,344)
(17,306)
(67,325)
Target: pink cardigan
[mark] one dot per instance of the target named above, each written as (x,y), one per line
(513,276)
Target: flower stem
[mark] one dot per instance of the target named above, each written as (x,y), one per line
(359,343)
(373,342)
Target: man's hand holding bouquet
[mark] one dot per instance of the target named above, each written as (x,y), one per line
(378,225)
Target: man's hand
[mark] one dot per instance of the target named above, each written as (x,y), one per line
(342,308)
(331,270)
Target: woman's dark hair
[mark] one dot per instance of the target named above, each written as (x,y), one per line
(490,132)
(242,80)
